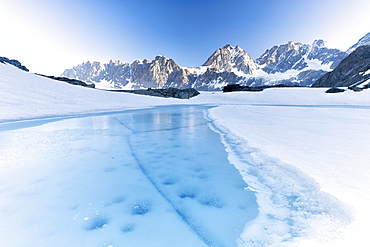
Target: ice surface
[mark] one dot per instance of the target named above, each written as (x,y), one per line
(144,178)
(189,167)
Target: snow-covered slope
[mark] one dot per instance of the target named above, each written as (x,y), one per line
(363,41)
(328,148)
(329,144)
(13,62)
(25,95)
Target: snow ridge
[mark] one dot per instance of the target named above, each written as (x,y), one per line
(363,41)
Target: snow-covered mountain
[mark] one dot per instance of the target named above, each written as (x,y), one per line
(354,70)
(298,56)
(158,73)
(295,64)
(224,66)
(290,64)
(231,59)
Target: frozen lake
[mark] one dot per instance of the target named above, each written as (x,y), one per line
(152,177)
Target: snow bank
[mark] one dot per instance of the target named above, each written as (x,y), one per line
(310,168)
(24,95)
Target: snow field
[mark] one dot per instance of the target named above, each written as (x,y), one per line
(310,160)
(27,96)
(304,153)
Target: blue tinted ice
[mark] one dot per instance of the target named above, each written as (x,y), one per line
(155,177)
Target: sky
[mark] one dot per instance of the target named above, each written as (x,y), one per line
(51,36)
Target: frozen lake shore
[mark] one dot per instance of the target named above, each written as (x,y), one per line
(154,177)
(294,132)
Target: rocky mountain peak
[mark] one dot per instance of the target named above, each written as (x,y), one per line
(116,62)
(297,56)
(280,58)
(231,59)
(318,43)
(159,58)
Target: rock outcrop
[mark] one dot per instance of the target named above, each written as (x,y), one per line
(70,81)
(166,93)
(354,70)
(13,62)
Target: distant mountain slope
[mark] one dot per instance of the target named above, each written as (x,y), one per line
(161,72)
(290,64)
(363,41)
(231,59)
(224,65)
(297,56)
(354,70)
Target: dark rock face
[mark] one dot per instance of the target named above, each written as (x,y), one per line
(166,93)
(356,89)
(237,87)
(13,62)
(335,90)
(352,71)
(70,81)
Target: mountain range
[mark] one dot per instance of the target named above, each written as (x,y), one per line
(290,64)
(353,71)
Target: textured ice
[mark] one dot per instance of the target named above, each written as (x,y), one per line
(156,177)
